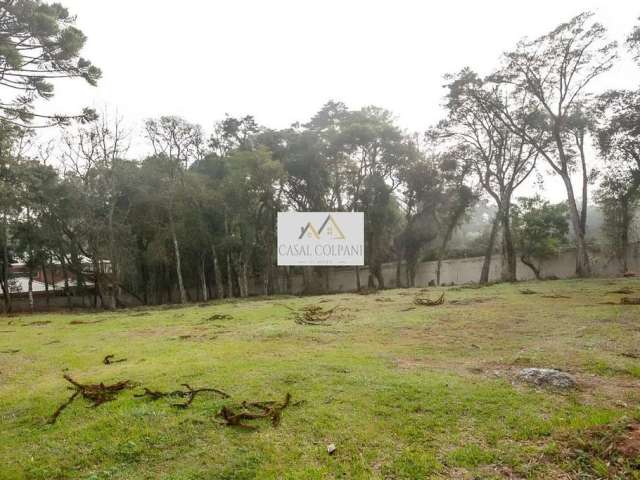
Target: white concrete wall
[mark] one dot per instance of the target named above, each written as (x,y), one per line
(464,270)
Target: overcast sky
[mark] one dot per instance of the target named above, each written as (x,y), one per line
(282,60)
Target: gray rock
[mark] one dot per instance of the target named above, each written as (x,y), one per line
(547,377)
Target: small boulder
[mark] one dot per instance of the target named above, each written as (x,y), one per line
(547,377)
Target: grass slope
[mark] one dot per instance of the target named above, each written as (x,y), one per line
(424,392)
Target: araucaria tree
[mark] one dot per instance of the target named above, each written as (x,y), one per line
(39,42)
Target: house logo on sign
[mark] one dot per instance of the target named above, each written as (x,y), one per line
(320,238)
(329,230)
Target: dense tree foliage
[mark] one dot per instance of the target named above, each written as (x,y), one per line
(39,43)
(196,218)
(540,229)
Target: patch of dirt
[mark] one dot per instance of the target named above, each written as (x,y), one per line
(623,291)
(37,323)
(86,322)
(616,446)
(471,301)
(218,316)
(629,445)
(630,300)
(409,363)
(591,389)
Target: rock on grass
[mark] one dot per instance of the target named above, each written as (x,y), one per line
(547,377)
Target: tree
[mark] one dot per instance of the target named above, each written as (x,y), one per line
(551,75)
(540,229)
(230,135)
(38,43)
(250,194)
(456,200)
(633,43)
(619,198)
(179,143)
(13,141)
(617,130)
(501,160)
(375,148)
(435,201)
(96,156)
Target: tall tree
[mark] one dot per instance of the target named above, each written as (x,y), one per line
(180,142)
(619,198)
(375,148)
(96,156)
(38,42)
(501,160)
(555,71)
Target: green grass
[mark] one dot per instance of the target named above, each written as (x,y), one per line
(404,394)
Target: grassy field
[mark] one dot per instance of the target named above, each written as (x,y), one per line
(403,391)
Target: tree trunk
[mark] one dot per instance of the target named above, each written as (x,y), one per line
(486,265)
(411,265)
(529,263)
(508,251)
(245,277)
(31,303)
(624,241)
(176,249)
(46,284)
(583,268)
(585,186)
(441,253)
(203,279)
(65,275)
(377,273)
(113,292)
(217,273)
(399,270)
(6,288)
(229,276)
(241,272)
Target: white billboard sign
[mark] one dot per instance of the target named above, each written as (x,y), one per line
(320,238)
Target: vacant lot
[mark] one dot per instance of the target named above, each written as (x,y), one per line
(402,390)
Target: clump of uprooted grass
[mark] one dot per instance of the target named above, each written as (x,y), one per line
(311,314)
(428,302)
